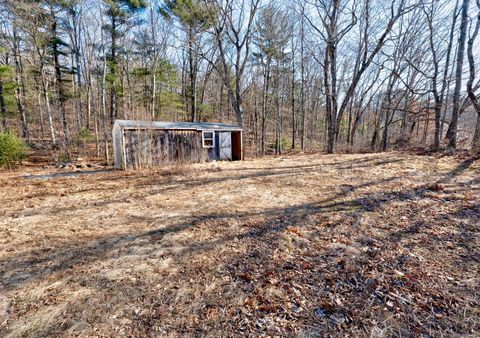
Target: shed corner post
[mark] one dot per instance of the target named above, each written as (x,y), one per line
(115,144)
(242,147)
(118,142)
(124,152)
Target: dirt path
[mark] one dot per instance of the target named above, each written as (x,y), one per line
(379,244)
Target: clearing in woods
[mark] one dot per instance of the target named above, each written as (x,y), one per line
(309,245)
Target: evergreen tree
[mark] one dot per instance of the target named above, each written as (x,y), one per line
(7,93)
(195,19)
(118,13)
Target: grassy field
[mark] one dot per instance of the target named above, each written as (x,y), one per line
(373,245)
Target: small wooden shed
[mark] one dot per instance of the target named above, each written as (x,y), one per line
(143,144)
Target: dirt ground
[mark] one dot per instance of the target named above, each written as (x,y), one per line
(373,245)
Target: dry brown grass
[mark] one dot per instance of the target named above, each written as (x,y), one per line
(345,245)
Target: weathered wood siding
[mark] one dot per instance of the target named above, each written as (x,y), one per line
(150,148)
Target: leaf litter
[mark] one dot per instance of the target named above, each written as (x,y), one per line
(371,245)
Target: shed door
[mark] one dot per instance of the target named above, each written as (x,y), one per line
(225,145)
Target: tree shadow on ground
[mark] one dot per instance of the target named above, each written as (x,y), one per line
(179,184)
(158,178)
(35,264)
(344,164)
(66,174)
(61,259)
(283,263)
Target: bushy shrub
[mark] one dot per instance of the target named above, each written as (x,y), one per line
(12,149)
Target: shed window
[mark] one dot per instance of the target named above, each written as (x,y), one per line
(208,139)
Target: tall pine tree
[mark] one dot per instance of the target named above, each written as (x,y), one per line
(118,13)
(194,19)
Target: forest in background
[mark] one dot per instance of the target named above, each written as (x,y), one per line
(334,75)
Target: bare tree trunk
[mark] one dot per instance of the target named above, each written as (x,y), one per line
(425,126)
(335,114)
(452,130)
(20,90)
(88,78)
(45,92)
(76,39)
(95,121)
(2,107)
(130,111)
(39,102)
(46,97)
(329,110)
(376,130)
(471,93)
(302,81)
(388,108)
(113,67)
(60,86)
(278,113)
(445,80)
(437,96)
(89,106)
(330,76)
(241,36)
(192,76)
(104,115)
(266,85)
(294,116)
(353,132)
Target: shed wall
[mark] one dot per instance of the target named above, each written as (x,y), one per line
(154,147)
(117,147)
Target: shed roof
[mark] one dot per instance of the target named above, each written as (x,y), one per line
(136,124)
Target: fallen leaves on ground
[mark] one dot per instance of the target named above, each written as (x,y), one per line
(309,245)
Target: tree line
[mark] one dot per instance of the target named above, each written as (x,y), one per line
(339,75)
